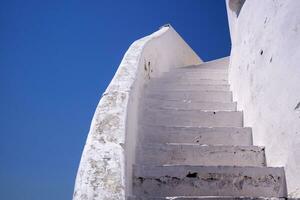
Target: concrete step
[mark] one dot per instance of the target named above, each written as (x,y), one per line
(193,118)
(221,63)
(213,96)
(165,181)
(201,67)
(205,155)
(198,69)
(187,87)
(202,74)
(171,80)
(205,198)
(196,135)
(189,105)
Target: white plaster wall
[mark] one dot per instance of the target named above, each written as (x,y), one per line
(265,79)
(105,169)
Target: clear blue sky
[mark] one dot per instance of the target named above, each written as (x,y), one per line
(56,59)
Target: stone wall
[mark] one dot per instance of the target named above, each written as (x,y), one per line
(265,77)
(105,170)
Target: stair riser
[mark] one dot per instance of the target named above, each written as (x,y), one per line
(202,75)
(189,82)
(209,181)
(189,105)
(163,135)
(200,69)
(201,155)
(194,71)
(193,118)
(193,96)
(206,198)
(176,87)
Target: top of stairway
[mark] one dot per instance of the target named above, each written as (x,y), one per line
(221,63)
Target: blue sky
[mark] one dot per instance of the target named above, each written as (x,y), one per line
(56,59)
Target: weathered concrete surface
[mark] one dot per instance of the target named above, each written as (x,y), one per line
(105,170)
(221,63)
(186,87)
(265,78)
(189,82)
(196,96)
(193,118)
(195,154)
(197,135)
(209,181)
(205,198)
(189,105)
(204,74)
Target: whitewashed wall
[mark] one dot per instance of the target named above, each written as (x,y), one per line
(105,169)
(265,78)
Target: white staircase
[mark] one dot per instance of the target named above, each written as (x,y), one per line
(193,144)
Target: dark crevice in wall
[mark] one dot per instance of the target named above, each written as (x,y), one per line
(297,106)
(261,52)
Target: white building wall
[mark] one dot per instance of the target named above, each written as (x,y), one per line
(265,78)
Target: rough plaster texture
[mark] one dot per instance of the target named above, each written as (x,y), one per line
(105,169)
(186,180)
(265,78)
(195,154)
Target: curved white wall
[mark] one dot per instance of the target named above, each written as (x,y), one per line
(106,165)
(265,78)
